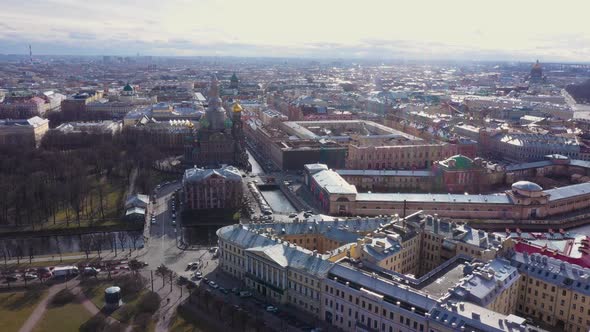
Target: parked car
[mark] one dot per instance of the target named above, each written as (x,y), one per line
(235,290)
(213,284)
(12,277)
(223,290)
(153,220)
(198,275)
(30,276)
(90,271)
(245,294)
(292,215)
(192,265)
(272,309)
(44,272)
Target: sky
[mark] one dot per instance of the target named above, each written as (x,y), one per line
(380,29)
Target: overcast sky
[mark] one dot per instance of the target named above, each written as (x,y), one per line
(416,29)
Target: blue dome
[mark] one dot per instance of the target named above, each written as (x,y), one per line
(526,186)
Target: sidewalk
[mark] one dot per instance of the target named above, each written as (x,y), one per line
(167,310)
(40,309)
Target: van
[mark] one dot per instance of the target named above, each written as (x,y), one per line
(65,271)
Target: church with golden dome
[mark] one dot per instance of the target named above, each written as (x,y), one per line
(220,136)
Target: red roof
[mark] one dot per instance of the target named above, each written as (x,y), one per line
(583,261)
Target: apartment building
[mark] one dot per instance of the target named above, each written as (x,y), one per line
(212,188)
(23,133)
(356,287)
(553,291)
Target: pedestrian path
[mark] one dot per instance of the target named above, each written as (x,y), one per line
(40,309)
(81,298)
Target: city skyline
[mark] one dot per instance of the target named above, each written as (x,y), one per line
(424,30)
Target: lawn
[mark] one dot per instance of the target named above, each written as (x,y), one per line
(94,290)
(113,212)
(113,207)
(179,324)
(16,307)
(67,318)
(127,312)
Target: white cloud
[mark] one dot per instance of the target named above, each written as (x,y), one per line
(522,29)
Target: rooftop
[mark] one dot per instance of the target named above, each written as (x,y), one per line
(199,174)
(333,183)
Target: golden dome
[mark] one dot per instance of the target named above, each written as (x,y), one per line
(237,108)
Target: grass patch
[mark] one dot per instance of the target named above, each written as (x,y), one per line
(66,318)
(179,324)
(132,290)
(129,309)
(94,291)
(188,319)
(16,307)
(113,212)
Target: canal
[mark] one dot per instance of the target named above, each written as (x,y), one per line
(277,201)
(256,168)
(54,245)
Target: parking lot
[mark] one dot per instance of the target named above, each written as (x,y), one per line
(57,273)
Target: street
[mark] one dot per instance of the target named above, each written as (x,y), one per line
(164,247)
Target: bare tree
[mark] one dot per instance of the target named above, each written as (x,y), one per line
(164,272)
(18,251)
(97,243)
(4,253)
(135,236)
(112,241)
(31,254)
(122,239)
(58,246)
(86,244)
(101,200)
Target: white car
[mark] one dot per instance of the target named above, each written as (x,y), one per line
(272,309)
(153,220)
(213,284)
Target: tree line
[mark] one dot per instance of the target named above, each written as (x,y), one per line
(39,185)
